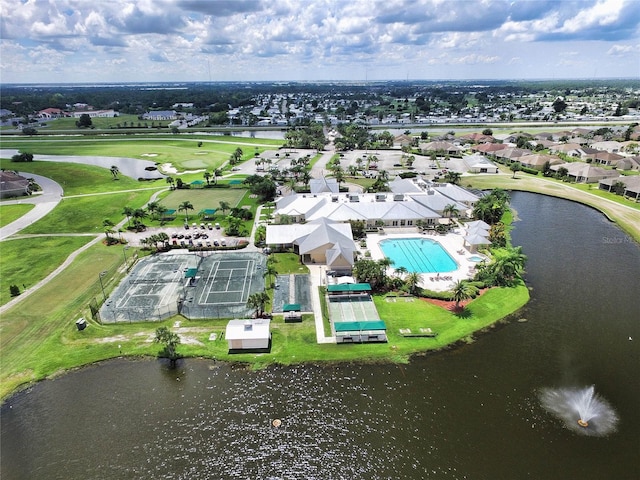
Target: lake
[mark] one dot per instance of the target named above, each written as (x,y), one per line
(471,412)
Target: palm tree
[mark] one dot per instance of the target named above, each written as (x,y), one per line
(171,182)
(128,212)
(186,206)
(152,208)
(507,264)
(216,173)
(207,176)
(400,271)
(453,177)
(114,171)
(138,215)
(224,206)
(164,238)
(413,280)
(462,290)
(270,272)
(450,210)
(258,301)
(108,228)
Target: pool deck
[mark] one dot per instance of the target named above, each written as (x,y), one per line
(453,243)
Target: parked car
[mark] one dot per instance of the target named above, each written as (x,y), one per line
(223,242)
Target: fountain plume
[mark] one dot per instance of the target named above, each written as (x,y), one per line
(581,409)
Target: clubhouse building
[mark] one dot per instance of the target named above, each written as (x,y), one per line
(317,226)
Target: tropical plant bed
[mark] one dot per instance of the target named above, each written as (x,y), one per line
(450,304)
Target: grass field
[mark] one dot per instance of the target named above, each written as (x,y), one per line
(26,261)
(10,213)
(181,152)
(78,179)
(202,199)
(85,214)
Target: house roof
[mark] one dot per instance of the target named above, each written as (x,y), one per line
(248,329)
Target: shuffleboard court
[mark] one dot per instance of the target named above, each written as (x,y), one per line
(352,308)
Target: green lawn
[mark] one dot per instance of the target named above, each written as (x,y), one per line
(85,214)
(26,261)
(287,263)
(482,312)
(69,123)
(10,213)
(181,152)
(78,179)
(202,198)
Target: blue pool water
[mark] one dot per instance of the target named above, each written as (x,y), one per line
(421,255)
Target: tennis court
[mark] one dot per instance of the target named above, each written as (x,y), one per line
(223,285)
(151,291)
(349,308)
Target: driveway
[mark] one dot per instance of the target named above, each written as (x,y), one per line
(44,202)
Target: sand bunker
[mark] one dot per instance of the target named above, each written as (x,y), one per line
(148,154)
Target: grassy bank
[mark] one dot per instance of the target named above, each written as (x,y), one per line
(624,213)
(10,213)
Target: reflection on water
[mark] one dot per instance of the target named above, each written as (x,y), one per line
(472,412)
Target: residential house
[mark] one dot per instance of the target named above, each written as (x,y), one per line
(479,164)
(580,172)
(13,185)
(538,160)
(631,185)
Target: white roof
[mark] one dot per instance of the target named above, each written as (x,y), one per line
(248,329)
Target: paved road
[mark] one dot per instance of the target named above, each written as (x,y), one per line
(44,202)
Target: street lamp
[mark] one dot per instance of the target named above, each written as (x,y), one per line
(102,274)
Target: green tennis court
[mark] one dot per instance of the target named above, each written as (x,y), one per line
(348,308)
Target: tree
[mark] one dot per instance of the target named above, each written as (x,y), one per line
(270,272)
(22,157)
(171,182)
(128,212)
(559,105)
(14,290)
(84,121)
(452,177)
(412,281)
(258,301)
(515,167)
(216,173)
(114,171)
(170,342)
(152,208)
(224,206)
(207,176)
(138,215)
(108,229)
(462,290)
(487,131)
(29,131)
(186,206)
(450,210)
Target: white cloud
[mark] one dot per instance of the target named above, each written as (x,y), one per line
(168,37)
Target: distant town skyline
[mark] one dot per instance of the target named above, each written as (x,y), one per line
(67,41)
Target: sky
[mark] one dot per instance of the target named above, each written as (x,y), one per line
(79,41)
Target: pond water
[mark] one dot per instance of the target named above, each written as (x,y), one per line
(472,412)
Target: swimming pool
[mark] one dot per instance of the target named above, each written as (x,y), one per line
(421,255)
